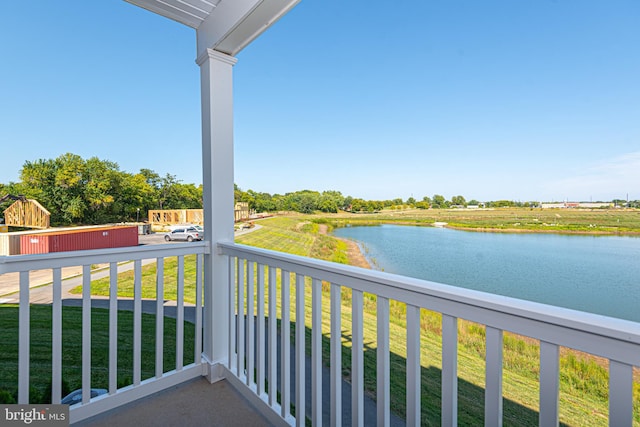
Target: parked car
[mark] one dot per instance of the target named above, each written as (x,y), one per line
(76,396)
(184,233)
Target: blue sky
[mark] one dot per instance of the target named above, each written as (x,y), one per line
(492,99)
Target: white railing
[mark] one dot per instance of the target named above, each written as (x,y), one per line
(253,344)
(165,376)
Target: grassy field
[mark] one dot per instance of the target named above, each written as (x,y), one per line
(40,339)
(597,221)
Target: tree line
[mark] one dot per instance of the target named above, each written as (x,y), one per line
(308,201)
(95,191)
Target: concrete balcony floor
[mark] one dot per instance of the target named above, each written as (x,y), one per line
(193,403)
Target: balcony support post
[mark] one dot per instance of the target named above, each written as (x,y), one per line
(216,83)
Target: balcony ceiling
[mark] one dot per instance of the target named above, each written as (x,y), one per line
(188,12)
(224,25)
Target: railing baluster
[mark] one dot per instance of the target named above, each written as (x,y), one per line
(56,338)
(449,370)
(24,340)
(159,317)
(233,316)
(137,321)
(113,327)
(241,320)
(316,352)
(180,315)
(86,333)
(414,374)
(285,341)
(493,382)
(383,363)
(57,264)
(620,394)
(336,356)
(273,338)
(197,353)
(549,384)
(300,352)
(260,331)
(357,359)
(250,322)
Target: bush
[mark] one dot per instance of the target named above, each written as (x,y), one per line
(6,397)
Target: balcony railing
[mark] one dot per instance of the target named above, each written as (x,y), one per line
(164,376)
(253,346)
(269,334)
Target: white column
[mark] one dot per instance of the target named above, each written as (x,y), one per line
(216,83)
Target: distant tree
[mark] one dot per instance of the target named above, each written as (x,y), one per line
(411,201)
(346,205)
(474,202)
(439,202)
(458,201)
(330,201)
(500,204)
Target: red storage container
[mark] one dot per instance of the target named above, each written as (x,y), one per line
(80,239)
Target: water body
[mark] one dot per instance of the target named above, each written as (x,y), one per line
(597,274)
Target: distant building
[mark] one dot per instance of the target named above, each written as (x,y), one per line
(579,205)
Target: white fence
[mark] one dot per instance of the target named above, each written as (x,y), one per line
(165,376)
(613,339)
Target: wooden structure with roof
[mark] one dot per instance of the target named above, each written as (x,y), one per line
(27,213)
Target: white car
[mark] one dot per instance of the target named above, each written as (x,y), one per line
(184,233)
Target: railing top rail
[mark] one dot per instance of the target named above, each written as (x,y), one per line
(15,263)
(553,324)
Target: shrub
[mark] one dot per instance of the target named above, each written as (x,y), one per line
(6,397)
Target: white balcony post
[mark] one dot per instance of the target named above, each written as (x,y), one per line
(216,82)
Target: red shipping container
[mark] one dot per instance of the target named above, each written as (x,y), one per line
(78,240)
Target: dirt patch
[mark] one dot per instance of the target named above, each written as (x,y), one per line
(354,254)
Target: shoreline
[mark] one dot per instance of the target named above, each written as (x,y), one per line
(355,255)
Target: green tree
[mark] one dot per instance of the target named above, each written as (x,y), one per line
(458,201)
(438,201)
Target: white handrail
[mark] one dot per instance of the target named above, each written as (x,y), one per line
(14,263)
(603,336)
(614,339)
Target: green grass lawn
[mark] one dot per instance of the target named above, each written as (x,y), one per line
(40,372)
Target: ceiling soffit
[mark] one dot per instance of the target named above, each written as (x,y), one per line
(224,25)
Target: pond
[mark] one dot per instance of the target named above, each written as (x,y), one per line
(597,274)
